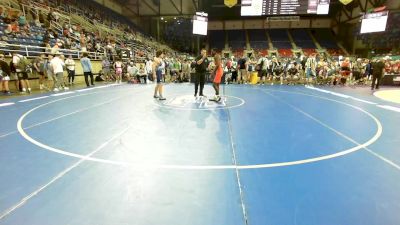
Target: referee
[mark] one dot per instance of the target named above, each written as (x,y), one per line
(200,75)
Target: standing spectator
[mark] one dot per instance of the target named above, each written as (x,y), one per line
(49,72)
(242,67)
(262,67)
(118,67)
(4,75)
(105,68)
(70,64)
(185,70)
(379,68)
(132,70)
(148,67)
(310,66)
(87,69)
(39,68)
(58,70)
(142,75)
(21,63)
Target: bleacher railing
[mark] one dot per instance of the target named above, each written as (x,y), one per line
(33,51)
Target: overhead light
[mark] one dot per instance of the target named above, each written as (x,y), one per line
(162,18)
(174,18)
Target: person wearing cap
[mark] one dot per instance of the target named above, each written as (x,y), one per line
(5,72)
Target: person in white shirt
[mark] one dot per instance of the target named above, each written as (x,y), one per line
(148,68)
(22,71)
(70,64)
(58,71)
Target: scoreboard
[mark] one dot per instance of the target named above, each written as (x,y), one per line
(284,7)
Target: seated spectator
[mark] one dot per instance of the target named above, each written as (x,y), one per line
(21,20)
(8,30)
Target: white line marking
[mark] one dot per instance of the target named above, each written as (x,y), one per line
(338,132)
(57,177)
(32,99)
(340,95)
(234,160)
(6,104)
(63,93)
(362,100)
(388,107)
(212,167)
(383,158)
(86,89)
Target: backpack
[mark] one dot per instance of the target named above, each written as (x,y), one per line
(23,63)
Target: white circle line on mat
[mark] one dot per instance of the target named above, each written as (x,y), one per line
(242,102)
(207,167)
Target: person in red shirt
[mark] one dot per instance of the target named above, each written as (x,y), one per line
(218,71)
(345,70)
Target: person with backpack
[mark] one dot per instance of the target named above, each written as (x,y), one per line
(22,66)
(4,75)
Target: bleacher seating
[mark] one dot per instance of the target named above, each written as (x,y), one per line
(309,51)
(258,39)
(280,39)
(325,38)
(285,53)
(302,39)
(217,39)
(236,39)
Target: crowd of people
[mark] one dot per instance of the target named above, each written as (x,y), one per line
(56,72)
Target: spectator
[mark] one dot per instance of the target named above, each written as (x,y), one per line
(142,74)
(87,69)
(58,70)
(378,71)
(21,64)
(118,67)
(105,68)
(70,64)
(39,68)
(4,75)
(21,20)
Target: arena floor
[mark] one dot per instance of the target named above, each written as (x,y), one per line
(266,155)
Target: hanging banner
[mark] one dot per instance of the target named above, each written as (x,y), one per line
(230,3)
(345,2)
